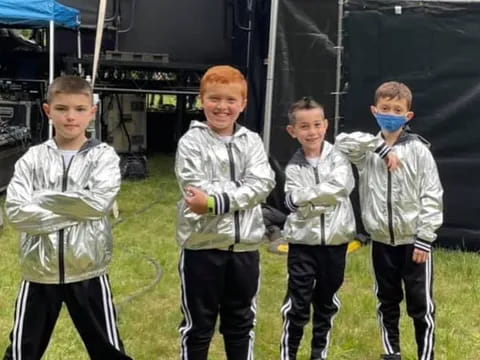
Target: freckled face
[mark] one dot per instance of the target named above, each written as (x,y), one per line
(222,105)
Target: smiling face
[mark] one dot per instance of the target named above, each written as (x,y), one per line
(70,114)
(309,129)
(222,105)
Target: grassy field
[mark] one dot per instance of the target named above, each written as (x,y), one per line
(148,322)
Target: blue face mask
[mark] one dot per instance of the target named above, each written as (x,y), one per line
(390,123)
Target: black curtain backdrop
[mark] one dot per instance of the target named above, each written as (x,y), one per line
(433,48)
(305,62)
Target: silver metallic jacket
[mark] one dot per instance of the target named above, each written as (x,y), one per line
(237,174)
(319,199)
(62,211)
(399,207)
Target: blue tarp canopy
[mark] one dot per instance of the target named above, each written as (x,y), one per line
(37,13)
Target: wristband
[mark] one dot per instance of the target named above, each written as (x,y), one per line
(211,205)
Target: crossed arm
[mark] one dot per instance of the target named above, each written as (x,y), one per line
(229,195)
(44,211)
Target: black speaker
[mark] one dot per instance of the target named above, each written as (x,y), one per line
(8,158)
(28,114)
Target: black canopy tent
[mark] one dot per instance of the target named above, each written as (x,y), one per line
(39,13)
(30,14)
(431,46)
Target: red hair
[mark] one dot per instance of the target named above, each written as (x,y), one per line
(223,74)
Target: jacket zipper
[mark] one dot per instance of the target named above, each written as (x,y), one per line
(236,215)
(389,207)
(322,216)
(61,240)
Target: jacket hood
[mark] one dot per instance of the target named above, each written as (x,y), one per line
(407,135)
(89,144)
(238,129)
(299,157)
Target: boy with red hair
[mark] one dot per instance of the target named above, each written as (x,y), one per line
(224,174)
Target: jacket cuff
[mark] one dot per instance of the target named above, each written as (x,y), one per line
(383,150)
(218,204)
(422,245)
(289,203)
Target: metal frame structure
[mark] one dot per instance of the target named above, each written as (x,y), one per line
(271,71)
(272,43)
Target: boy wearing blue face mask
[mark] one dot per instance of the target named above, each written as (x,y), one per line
(401,210)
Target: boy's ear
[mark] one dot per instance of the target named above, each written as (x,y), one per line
(244,104)
(326,124)
(373,109)
(409,115)
(291,131)
(46,108)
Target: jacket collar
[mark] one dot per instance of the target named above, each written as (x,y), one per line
(299,157)
(407,135)
(87,145)
(238,129)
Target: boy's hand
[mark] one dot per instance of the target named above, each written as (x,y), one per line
(392,161)
(196,200)
(419,256)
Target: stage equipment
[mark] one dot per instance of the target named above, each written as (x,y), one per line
(28,114)
(126,120)
(14,141)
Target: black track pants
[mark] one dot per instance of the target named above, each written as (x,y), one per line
(90,306)
(218,283)
(394,265)
(315,274)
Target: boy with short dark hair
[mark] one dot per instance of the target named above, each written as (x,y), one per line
(59,198)
(318,184)
(224,174)
(401,210)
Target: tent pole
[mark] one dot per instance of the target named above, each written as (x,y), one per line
(338,75)
(102,6)
(51,69)
(52,51)
(267,120)
(79,50)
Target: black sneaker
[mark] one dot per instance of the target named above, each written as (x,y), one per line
(391,357)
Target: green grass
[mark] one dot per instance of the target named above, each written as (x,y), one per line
(148,324)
